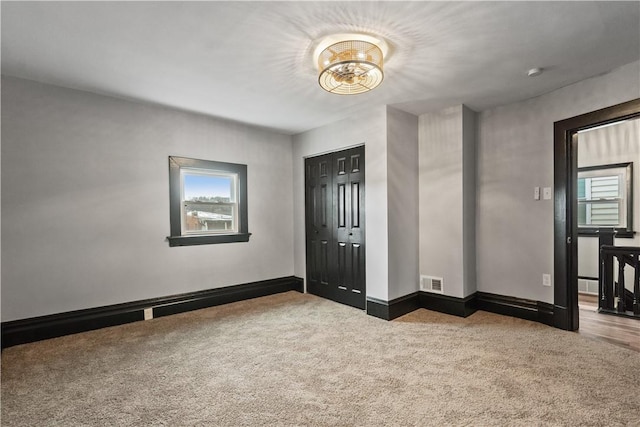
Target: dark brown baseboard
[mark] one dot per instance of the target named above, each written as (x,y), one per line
(39,328)
(55,325)
(521,308)
(463,307)
(389,310)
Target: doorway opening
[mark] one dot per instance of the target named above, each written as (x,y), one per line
(608,242)
(566,207)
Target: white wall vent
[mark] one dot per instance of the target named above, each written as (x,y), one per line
(431,284)
(586,286)
(582,285)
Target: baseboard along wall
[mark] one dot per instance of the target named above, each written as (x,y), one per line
(44,327)
(389,310)
(463,307)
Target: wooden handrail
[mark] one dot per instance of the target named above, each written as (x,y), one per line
(620,250)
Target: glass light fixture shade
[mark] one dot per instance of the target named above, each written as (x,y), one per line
(350,67)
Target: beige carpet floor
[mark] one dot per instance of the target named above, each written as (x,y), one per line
(293,359)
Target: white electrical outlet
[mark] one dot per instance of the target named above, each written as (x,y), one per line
(148,313)
(546,193)
(546,280)
(536,193)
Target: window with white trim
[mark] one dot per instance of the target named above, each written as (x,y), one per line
(604,198)
(208,202)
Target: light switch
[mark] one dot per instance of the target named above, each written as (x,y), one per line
(536,193)
(546,193)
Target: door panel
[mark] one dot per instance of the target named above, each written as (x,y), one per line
(342,215)
(341,277)
(355,204)
(323,205)
(335,219)
(357,263)
(324,262)
(312,262)
(318,205)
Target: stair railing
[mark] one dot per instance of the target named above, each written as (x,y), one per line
(614,297)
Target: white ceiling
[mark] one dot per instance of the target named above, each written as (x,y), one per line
(252,61)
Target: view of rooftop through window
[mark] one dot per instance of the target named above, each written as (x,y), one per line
(209,201)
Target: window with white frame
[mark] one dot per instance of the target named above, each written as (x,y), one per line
(604,198)
(208,202)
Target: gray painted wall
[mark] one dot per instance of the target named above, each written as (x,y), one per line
(448,198)
(469,162)
(515,154)
(84,188)
(368,128)
(402,174)
(612,144)
(441,198)
(85,201)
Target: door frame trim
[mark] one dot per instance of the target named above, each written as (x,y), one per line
(565,293)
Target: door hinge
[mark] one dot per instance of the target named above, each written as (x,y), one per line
(569,240)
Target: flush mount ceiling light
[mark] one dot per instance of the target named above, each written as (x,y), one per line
(350,64)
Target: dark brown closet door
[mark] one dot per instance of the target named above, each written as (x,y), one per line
(335,226)
(319,222)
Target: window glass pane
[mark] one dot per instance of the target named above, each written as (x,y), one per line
(582,214)
(605,187)
(208,188)
(581,188)
(602,196)
(605,214)
(208,217)
(208,202)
